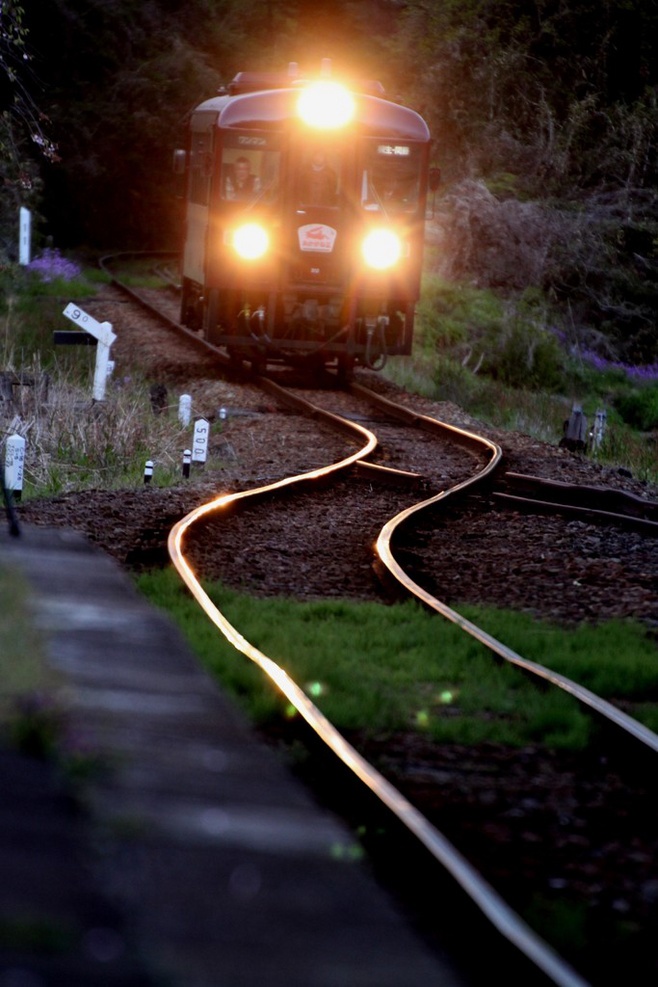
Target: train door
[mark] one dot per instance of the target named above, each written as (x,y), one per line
(198,196)
(319,223)
(316,262)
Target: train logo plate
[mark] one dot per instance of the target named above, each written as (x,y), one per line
(316,237)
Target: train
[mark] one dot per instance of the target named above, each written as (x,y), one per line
(304,213)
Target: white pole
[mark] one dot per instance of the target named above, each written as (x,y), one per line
(100,374)
(14,463)
(105,339)
(25,237)
(184,409)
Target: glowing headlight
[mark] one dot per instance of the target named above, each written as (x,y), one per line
(381,249)
(251,241)
(325,105)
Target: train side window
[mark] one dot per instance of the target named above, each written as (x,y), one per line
(200,168)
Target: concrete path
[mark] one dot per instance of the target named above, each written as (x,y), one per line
(196,860)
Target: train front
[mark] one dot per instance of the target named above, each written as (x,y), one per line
(316,231)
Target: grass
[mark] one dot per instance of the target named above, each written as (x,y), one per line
(29,711)
(508,363)
(404,676)
(385,669)
(73,443)
(22,667)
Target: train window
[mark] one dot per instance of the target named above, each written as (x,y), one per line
(250,175)
(200,167)
(390,176)
(318,183)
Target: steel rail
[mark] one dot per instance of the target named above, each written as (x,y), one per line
(490,903)
(595,504)
(105,264)
(620,502)
(593,515)
(501,916)
(386,556)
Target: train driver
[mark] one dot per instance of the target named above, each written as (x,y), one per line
(241,185)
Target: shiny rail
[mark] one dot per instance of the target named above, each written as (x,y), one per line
(491,904)
(385,551)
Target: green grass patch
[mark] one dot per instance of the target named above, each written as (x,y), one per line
(511,362)
(22,666)
(384,669)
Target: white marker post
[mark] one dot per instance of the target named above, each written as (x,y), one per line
(200,441)
(101,331)
(14,464)
(184,409)
(24,236)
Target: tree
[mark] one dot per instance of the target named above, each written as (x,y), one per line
(23,138)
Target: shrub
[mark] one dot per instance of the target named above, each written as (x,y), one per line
(453,382)
(501,243)
(640,408)
(456,315)
(527,357)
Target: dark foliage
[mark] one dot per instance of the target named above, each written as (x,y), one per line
(552,107)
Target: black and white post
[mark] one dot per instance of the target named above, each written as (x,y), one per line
(14,465)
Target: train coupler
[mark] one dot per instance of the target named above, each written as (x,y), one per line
(376,354)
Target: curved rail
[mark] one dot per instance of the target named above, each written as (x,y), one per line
(599,505)
(386,555)
(490,903)
(501,916)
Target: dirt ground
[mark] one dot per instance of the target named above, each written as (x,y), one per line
(529,818)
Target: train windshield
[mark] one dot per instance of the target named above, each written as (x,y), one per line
(390,176)
(250,169)
(319,177)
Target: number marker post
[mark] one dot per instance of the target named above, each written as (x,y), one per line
(102,332)
(14,464)
(200,441)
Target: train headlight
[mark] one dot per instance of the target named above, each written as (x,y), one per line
(325,105)
(251,241)
(381,249)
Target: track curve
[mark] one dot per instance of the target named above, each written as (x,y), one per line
(545,958)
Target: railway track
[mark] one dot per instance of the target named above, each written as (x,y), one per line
(485,460)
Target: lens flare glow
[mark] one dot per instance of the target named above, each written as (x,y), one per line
(326,106)
(381,249)
(251,241)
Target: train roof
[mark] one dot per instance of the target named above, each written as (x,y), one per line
(272,109)
(250,82)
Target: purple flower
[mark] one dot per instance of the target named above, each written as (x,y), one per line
(51,266)
(648,372)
